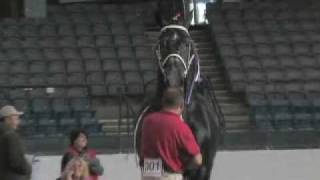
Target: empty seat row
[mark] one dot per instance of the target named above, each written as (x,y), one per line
(246,63)
(262,38)
(74,53)
(74,42)
(75,66)
(70,30)
(240,79)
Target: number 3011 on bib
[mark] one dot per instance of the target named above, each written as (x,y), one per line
(152,168)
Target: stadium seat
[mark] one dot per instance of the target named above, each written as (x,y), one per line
(312,74)
(302,120)
(125,52)
(18,80)
(256,77)
(104,41)
(98,90)
(228,50)
(83,30)
(60,105)
(250,63)
(66,30)
(67,42)
(86,42)
(34,54)
(56,67)
(136,29)
(283,120)
(129,65)
(95,78)
(313,94)
(134,83)
(93,65)
(11,43)
(288,62)
(57,79)
(77,92)
(52,54)
(294,75)
(18,93)
(48,42)
(119,28)
(41,105)
(264,50)
(75,66)
(233,26)
(80,104)
(108,53)
(143,53)
(15,54)
(38,67)
(22,104)
(122,40)
(237,79)
(4,67)
(101,29)
(48,30)
(147,65)
(38,80)
(111,65)
(275,76)
(89,53)
(70,53)
(76,78)
(241,38)
(269,62)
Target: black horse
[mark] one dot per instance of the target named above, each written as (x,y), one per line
(179,67)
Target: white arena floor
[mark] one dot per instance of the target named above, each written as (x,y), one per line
(229,165)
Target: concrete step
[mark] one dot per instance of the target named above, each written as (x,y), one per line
(213,74)
(206,51)
(245,125)
(203,44)
(227,99)
(233,109)
(237,118)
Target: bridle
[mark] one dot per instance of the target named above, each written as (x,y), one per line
(192,58)
(163,61)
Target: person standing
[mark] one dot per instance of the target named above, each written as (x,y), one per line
(168,146)
(13,164)
(79,149)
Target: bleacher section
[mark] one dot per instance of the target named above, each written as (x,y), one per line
(53,68)
(270,52)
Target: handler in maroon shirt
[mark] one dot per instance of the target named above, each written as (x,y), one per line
(167,138)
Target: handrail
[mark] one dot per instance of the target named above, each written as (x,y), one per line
(215,103)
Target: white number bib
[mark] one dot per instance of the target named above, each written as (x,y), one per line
(152,168)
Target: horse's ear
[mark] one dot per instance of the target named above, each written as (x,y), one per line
(188,19)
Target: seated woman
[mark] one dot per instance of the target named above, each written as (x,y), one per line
(79,148)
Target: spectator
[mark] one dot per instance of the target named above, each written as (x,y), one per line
(13,164)
(76,169)
(168,144)
(79,148)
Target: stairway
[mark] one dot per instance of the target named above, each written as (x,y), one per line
(233,107)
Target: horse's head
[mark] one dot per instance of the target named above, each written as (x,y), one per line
(174,54)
